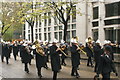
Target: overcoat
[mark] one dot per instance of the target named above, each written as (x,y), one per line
(75,56)
(55,58)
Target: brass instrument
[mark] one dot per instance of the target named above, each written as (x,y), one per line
(79,46)
(62,51)
(40,50)
(81,50)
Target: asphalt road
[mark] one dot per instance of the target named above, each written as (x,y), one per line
(16,70)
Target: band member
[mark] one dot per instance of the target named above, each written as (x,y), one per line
(75,58)
(63,57)
(55,59)
(6,53)
(108,43)
(40,59)
(98,51)
(106,65)
(15,50)
(89,51)
(26,57)
(46,50)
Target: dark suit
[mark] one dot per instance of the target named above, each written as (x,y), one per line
(40,62)
(106,66)
(97,53)
(55,60)
(75,58)
(15,51)
(89,52)
(26,58)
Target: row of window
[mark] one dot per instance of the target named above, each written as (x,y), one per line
(112,9)
(107,22)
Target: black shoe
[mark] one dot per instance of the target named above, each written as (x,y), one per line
(92,66)
(40,76)
(7,63)
(77,76)
(45,67)
(64,64)
(73,75)
(27,72)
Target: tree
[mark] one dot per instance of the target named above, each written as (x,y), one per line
(62,11)
(28,13)
(8,16)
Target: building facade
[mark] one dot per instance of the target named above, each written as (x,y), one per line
(99,19)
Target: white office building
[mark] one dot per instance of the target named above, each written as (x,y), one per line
(99,19)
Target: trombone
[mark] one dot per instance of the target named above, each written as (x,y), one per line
(62,51)
(81,50)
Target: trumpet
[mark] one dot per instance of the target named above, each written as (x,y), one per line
(81,50)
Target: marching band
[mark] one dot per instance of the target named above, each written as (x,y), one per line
(58,52)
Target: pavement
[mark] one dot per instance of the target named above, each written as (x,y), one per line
(15,69)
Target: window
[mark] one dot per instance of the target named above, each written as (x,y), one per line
(29,37)
(60,28)
(55,28)
(45,20)
(45,36)
(68,27)
(95,24)
(39,30)
(95,13)
(60,36)
(39,36)
(36,36)
(49,20)
(73,26)
(44,29)
(49,36)
(36,30)
(39,20)
(55,21)
(28,31)
(68,36)
(112,21)
(112,9)
(74,14)
(110,34)
(49,28)
(56,35)
(74,33)
(95,34)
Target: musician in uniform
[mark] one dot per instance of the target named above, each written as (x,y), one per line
(98,51)
(26,57)
(40,59)
(89,51)
(106,65)
(46,50)
(75,58)
(63,56)
(6,53)
(55,59)
(15,50)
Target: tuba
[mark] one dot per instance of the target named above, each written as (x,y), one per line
(40,50)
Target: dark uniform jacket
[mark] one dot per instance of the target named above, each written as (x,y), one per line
(6,51)
(75,56)
(97,53)
(40,60)
(89,51)
(25,56)
(106,65)
(55,58)
(15,50)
